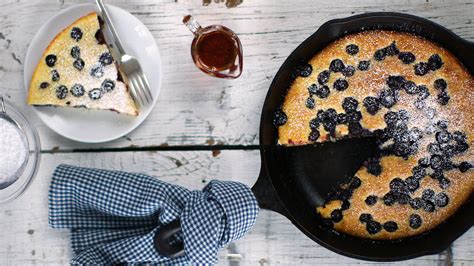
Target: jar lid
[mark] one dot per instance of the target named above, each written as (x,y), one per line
(19,152)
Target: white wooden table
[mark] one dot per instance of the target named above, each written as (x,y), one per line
(202,128)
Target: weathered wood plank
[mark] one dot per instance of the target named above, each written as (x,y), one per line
(194,109)
(26,238)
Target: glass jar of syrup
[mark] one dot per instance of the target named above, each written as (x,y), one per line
(216,49)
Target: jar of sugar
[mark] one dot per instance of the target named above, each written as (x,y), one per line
(19,152)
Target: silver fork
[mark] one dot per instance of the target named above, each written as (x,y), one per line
(129,66)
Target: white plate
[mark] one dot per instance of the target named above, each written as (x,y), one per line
(95,126)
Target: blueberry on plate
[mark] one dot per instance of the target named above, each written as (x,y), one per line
(340,84)
(61,92)
(415,221)
(352,49)
(349,104)
(336,65)
(77,90)
(371,104)
(95,94)
(50,60)
(78,64)
(390,226)
(364,65)
(406,57)
(279,118)
(76,33)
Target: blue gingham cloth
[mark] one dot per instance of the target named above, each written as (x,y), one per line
(113,215)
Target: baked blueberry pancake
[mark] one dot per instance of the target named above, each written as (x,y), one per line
(77,70)
(411,95)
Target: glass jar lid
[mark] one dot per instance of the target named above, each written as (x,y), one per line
(19,152)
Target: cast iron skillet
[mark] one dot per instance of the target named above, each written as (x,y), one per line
(293,180)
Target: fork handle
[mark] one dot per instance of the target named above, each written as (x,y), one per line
(105,15)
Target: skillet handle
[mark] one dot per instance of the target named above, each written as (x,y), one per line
(266,195)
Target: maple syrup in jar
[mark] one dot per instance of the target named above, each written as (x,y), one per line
(216,50)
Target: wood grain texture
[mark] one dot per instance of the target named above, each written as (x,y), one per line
(26,238)
(195,109)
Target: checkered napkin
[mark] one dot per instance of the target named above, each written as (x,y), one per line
(113,216)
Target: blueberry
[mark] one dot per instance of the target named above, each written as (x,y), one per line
(76,52)
(443,124)
(341,118)
(434,148)
(462,147)
(348,71)
(423,92)
(373,227)
(398,185)
(412,183)
(459,137)
(355,129)
(464,167)
(396,82)
(430,112)
(312,89)
(107,85)
(345,205)
(429,206)
(78,64)
(392,49)
(403,115)
(51,60)
(336,216)
(313,135)
(353,116)
(417,203)
(390,226)
(302,70)
(424,162)
(349,104)
(314,123)
(410,87)
(336,65)
(107,59)
(97,71)
(418,172)
(441,199)
(421,68)
(389,199)
(373,166)
(55,75)
(444,183)
(364,65)
(443,98)
(436,162)
(352,49)
(372,105)
(371,200)
(323,77)
(388,98)
(415,221)
(440,84)
(76,33)
(322,92)
(390,118)
(61,92)
(365,217)
(310,103)
(380,54)
(44,85)
(435,62)
(419,104)
(340,84)
(77,90)
(279,118)
(406,57)
(427,194)
(443,136)
(355,183)
(330,120)
(95,94)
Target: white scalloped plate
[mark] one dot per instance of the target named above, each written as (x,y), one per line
(95,126)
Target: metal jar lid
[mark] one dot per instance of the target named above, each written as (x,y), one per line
(19,152)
